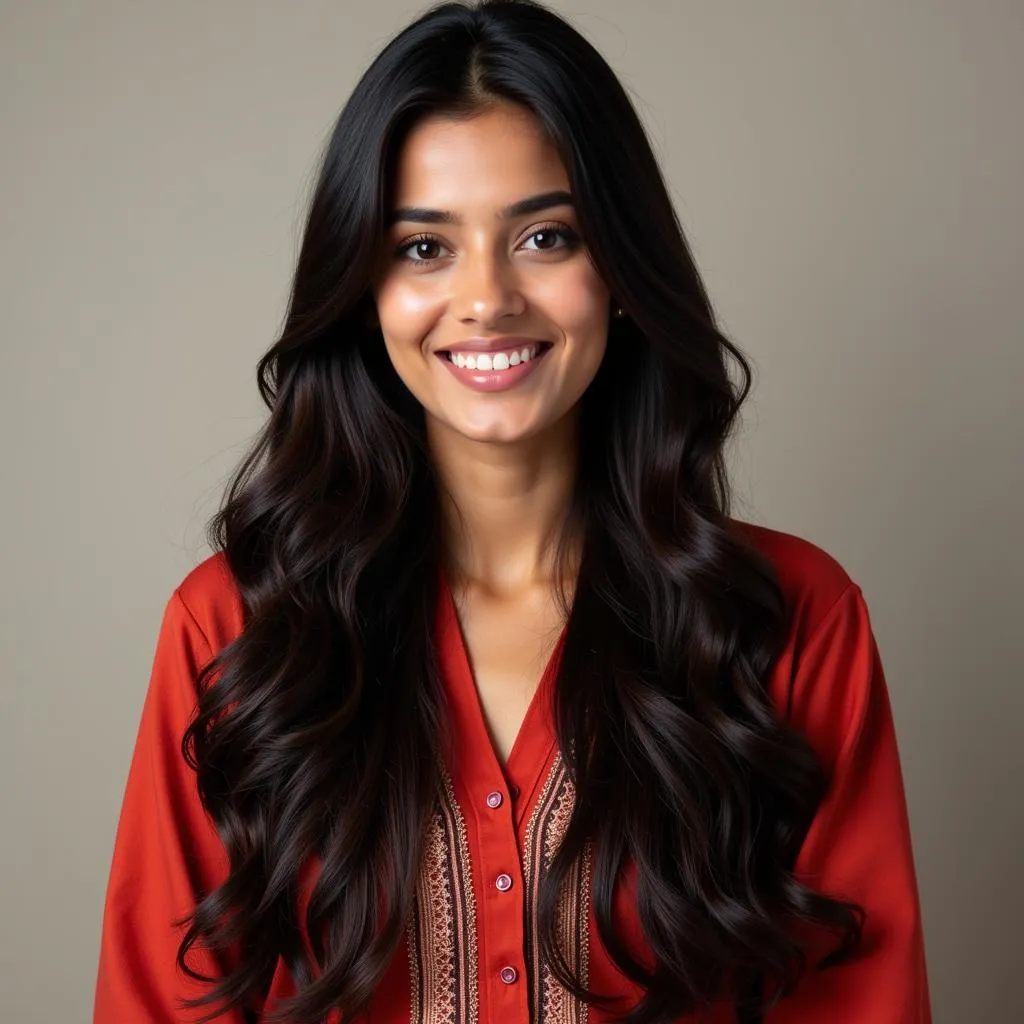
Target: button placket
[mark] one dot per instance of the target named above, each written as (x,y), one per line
(501,914)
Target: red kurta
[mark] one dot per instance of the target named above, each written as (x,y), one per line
(469,953)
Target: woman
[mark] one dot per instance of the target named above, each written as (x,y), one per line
(485,709)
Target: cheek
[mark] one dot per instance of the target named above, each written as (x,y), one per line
(405,313)
(576,300)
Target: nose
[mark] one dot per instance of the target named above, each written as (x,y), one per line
(485,288)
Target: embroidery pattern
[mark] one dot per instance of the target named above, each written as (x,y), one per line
(442,932)
(550,1001)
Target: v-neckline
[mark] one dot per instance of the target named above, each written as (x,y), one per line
(534,742)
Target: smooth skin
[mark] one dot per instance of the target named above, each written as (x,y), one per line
(506,459)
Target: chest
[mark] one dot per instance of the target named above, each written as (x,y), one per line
(508,644)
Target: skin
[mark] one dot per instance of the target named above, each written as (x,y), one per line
(506,460)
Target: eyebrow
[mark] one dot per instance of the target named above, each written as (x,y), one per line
(532,204)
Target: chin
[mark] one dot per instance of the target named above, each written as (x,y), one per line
(497,431)
(498,434)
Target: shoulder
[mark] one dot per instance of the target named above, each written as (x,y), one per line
(829,671)
(813,581)
(202,615)
(209,596)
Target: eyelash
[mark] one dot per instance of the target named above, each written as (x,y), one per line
(570,236)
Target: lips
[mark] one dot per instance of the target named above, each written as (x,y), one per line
(498,368)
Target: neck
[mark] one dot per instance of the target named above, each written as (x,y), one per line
(504,505)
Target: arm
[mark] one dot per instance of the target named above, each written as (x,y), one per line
(166,849)
(858,846)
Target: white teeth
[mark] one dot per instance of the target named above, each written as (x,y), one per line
(497,361)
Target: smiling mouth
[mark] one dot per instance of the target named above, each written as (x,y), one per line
(496,361)
(499,370)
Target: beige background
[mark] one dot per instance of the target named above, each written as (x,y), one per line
(851,177)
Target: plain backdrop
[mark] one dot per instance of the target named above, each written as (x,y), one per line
(850,175)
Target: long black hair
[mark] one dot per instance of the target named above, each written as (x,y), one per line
(316,730)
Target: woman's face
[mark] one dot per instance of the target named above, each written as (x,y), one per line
(492,312)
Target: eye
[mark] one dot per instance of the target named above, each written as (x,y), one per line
(420,242)
(549,231)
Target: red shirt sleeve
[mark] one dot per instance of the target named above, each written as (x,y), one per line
(858,846)
(166,849)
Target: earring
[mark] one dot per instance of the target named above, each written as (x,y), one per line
(618,312)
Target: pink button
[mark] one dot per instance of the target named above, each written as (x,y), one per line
(509,975)
(503,882)
(494,799)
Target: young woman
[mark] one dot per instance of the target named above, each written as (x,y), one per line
(485,709)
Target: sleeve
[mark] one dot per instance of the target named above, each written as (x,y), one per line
(858,846)
(165,850)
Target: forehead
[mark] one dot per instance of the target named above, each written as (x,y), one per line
(487,160)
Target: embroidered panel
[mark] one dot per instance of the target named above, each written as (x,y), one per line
(442,932)
(550,1001)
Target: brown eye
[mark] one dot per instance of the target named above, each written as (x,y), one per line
(423,249)
(550,235)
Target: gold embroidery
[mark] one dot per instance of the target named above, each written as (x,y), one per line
(442,932)
(550,1001)
(442,936)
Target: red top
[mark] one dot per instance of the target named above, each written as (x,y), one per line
(468,953)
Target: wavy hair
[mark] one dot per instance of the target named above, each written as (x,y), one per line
(317,728)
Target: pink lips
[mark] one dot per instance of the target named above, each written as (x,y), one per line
(492,380)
